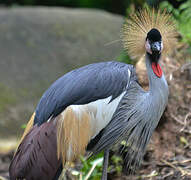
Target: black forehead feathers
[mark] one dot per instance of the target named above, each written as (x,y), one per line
(154,35)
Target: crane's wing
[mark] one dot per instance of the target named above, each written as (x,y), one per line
(132,124)
(36,156)
(84,85)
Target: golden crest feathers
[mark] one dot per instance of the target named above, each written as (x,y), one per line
(136,27)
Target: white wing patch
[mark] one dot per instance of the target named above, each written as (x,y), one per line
(101,112)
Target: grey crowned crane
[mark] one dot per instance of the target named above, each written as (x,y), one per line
(97,106)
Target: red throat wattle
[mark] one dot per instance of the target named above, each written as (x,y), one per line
(157,69)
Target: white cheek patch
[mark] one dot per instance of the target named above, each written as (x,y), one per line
(161,47)
(148,47)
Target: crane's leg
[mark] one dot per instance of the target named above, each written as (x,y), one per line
(105,165)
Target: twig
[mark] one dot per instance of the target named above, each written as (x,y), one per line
(92,168)
(181,162)
(177,162)
(181,69)
(152,174)
(185,121)
(176,119)
(183,172)
(182,123)
(80,176)
(187,131)
(185,66)
(168,174)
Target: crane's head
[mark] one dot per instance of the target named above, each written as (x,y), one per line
(154,44)
(149,31)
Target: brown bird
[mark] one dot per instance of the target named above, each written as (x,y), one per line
(97,106)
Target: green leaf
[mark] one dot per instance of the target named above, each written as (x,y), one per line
(183,140)
(23,126)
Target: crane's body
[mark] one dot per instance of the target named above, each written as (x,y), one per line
(92,109)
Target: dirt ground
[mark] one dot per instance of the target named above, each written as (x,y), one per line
(168,156)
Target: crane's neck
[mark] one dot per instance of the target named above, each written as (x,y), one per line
(157,81)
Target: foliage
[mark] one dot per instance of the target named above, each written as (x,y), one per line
(124,57)
(116,162)
(92,168)
(182,16)
(23,126)
(119,6)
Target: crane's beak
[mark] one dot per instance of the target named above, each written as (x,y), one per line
(156,47)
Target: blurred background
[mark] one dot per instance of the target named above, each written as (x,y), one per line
(117,7)
(40,40)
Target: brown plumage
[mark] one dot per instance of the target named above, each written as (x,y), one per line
(38,151)
(73,134)
(28,127)
(37,148)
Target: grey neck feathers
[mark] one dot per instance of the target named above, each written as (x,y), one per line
(156,85)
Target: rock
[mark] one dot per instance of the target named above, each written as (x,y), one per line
(38,45)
